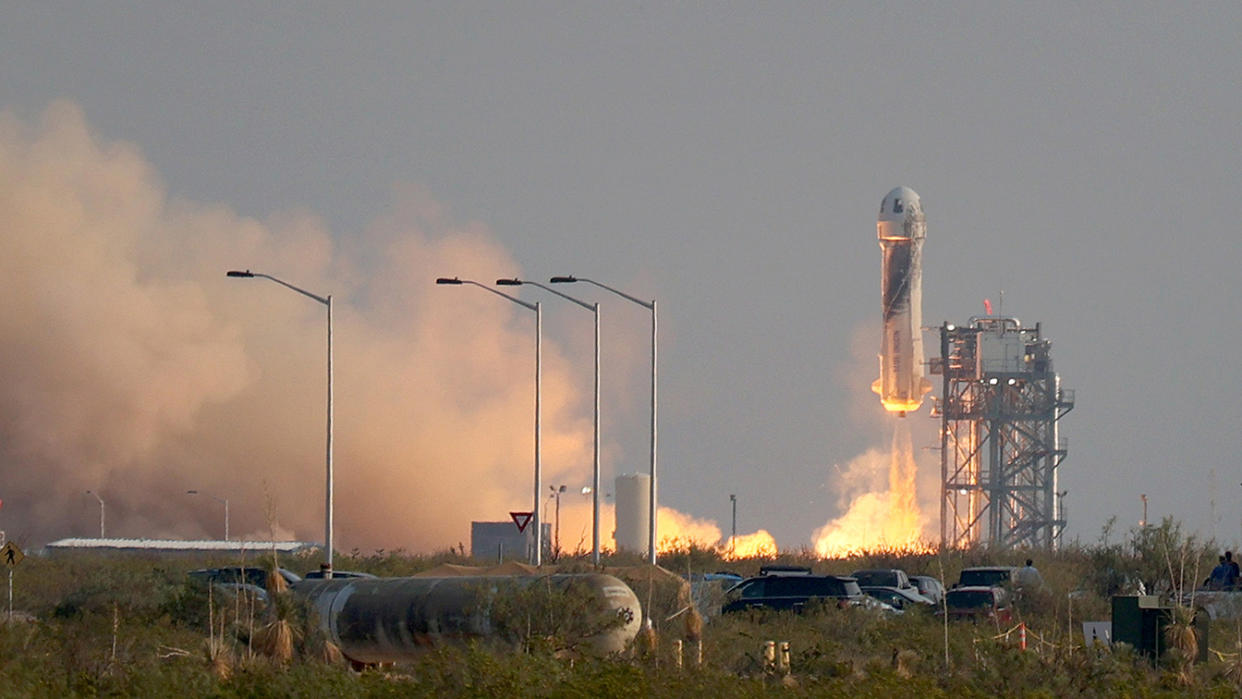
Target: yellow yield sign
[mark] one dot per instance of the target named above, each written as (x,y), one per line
(11,554)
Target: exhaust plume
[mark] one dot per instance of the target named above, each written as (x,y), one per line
(878,490)
(877,518)
(135,369)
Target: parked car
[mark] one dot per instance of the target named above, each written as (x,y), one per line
(318,574)
(792,592)
(235,580)
(929,587)
(885,577)
(987,576)
(975,602)
(708,590)
(723,576)
(897,597)
(246,575)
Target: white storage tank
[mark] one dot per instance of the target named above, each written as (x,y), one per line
(633,512)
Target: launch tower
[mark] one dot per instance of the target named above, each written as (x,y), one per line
(999,407)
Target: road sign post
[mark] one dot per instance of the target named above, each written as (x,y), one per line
(521,519)
(11,554)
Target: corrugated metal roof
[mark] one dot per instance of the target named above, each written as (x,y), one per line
(183,545)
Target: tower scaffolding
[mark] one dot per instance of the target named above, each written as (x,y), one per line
(1000,407)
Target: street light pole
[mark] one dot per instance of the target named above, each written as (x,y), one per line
(101,512)
(594,308)
(226,508)
(328,485)
(651,305)
(535,519)
(733,537)
(556,546)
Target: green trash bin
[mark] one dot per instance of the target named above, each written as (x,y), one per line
(1140,620)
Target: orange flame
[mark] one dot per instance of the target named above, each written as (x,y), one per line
(761,544)
(679,532)
(880,520)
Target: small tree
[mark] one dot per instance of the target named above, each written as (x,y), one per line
(1166,559)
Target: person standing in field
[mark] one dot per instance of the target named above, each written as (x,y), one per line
(1028,577)
(1231,580)
(1216,581)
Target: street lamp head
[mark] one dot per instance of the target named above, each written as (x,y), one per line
(509,282)
(244,275)
(447,280)
(563,280)
(191,492)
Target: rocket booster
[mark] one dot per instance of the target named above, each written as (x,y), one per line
(901,230)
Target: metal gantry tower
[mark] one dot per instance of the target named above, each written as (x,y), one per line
(999,408)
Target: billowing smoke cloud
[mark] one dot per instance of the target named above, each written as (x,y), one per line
(134,368)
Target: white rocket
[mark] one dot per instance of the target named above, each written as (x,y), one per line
(901,230)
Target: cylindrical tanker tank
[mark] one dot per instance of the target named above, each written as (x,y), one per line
(378,620)
(901,229)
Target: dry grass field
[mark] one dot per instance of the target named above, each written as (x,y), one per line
(134,626)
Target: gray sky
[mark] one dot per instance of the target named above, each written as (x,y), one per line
(729,161)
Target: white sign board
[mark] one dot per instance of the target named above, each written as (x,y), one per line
(1097,632)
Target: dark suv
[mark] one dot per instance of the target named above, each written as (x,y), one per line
(792,592)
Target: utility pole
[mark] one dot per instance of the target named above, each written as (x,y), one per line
(733,538)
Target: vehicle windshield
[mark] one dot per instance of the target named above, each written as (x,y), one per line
(983,578)
(879,578)
(795,586)
(747,590)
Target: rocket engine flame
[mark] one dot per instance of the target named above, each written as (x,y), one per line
(880,520)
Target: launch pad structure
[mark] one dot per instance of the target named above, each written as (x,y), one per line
(999,407)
